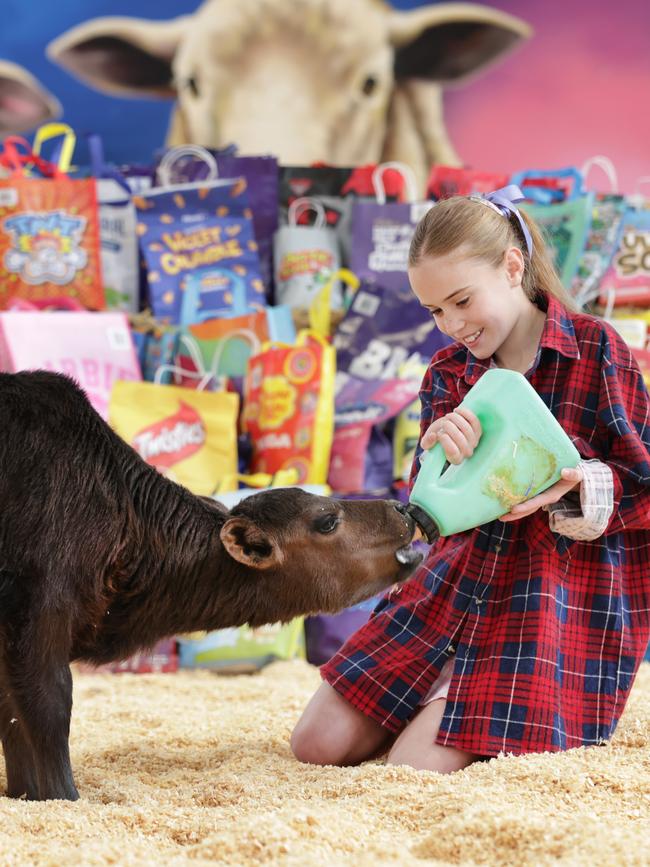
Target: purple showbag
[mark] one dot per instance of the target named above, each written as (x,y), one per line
(382,231)
(190,163)
(325,633)
(383,329)
(362,453)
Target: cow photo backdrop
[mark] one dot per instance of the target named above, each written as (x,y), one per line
(522,85)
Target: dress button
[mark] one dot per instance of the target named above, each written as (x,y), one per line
(451,648)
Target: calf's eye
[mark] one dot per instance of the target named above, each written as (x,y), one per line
(326,524)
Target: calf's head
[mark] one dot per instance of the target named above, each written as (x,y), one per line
(315,553)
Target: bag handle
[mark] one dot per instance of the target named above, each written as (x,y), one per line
(299,206)
(200,373)
(636,199)
(189,343)
(408,175)
(19,163)
(98,165)
(320,309)
(607,166)
(164,170)
(547,195)
(62,156)
(280,479)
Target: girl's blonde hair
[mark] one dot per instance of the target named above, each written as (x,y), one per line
(486,234)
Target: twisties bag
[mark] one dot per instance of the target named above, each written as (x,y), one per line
(189,436)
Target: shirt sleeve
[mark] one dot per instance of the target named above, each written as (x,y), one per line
(438,396)
(584,515)
(623,437)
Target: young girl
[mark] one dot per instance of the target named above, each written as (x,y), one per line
(525,634)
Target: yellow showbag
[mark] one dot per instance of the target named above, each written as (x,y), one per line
(189,436)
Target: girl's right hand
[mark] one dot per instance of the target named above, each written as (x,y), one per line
(457,432)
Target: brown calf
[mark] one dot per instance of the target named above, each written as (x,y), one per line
(101,556)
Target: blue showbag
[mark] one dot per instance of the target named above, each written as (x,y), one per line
(200,251)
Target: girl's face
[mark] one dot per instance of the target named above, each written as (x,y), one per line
(471,300)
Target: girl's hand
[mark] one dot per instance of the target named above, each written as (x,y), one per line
(571,478)
(457,432)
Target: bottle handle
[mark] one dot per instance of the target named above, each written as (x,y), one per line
(435,461)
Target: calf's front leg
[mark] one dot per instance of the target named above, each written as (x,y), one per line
(19,761)
(40,683)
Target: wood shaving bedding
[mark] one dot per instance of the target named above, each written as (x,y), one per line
(193,769)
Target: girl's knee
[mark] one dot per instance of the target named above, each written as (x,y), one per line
(443,760)
(310,746)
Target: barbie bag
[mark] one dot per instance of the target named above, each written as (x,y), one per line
(96,349)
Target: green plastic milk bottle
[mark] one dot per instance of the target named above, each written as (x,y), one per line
(521,453)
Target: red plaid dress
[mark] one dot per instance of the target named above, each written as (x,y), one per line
(546,631)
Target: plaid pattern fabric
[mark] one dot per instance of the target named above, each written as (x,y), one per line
(547,631)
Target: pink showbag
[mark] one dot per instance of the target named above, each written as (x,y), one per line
(96,349)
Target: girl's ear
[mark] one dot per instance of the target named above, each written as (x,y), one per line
(515,265)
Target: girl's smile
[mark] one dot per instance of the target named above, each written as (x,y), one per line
(482,306)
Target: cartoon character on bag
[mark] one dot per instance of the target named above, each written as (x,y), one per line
(45,247)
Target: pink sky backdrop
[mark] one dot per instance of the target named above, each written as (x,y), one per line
(580,86)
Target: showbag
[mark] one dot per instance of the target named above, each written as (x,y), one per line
(49,234)
(96,349)
(201,254)
(189,436)
(289,407)
(382,232)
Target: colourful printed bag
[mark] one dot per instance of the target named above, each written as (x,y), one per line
(565,226)
(305,257)
(188,164)
(382,232)
(627,281)
(361,457)
(197,240)
(49,232)
(289,407)
(96,349)
(189,436)
(447,181)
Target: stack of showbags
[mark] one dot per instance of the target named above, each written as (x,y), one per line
(244,325)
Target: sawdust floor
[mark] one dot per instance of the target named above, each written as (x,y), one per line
(194,769)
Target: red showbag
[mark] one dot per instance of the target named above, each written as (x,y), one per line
(49,233)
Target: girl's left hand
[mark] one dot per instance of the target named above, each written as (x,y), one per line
(571,478)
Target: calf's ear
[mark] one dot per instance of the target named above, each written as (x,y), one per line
(247,544)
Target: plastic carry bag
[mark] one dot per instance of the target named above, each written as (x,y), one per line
(189,436)
(49,231)
(382,231)
(96,349)
(305,257)
(289,407)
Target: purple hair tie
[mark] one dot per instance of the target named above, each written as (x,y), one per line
(502,201)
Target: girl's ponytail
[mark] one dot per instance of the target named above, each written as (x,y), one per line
(540,275)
